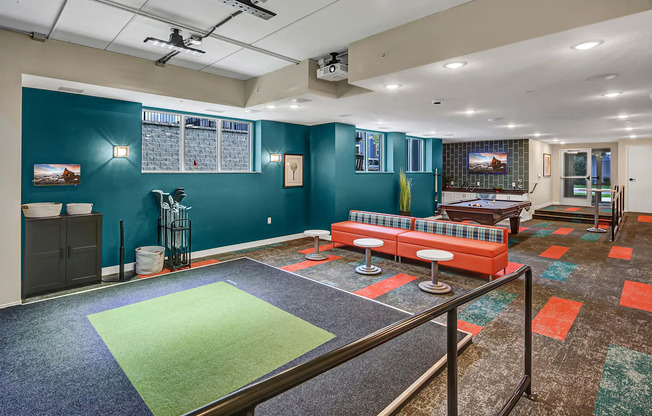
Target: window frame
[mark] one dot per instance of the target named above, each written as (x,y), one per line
(182,140)
(409,143)
(365,153)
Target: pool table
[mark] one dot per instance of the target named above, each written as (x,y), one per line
(488,212)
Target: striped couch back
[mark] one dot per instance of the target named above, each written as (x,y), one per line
(386,220)
(470,231)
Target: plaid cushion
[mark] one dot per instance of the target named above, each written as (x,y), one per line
(472,232)
(385,220)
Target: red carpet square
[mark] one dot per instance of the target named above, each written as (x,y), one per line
(637,295)
(623,253)
(554,252)
(384,286)
(465,326)
(563,231)
(573,209)
(308,263)
(645,218)
(556,318)
(511,268)
(195,264)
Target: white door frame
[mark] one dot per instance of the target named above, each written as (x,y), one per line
(575,201)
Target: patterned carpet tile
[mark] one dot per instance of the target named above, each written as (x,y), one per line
(559,271)
(623,253)
(380,288)
(556,318)
(563,231)
(590,237)
(486,308)
(554,252)
(308,263)
(626,385)
(637,295)
(542,234)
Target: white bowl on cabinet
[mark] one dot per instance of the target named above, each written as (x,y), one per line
(42,209)
(79,208)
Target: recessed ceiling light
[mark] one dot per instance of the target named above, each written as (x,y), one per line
(622,116)
(584,46)
(433,132)
(511,125)
(300,100)
(629,128)
(601,77)
(271,106)
(562,143)
(537,134)
(392,86)
(469,111)
(294,106)
(380,122)
(611,94)
(454,65)
(555,140)
(633,136)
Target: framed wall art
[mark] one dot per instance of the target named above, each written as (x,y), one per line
(292,170)
(546,165)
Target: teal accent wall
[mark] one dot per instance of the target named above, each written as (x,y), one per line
(226,208)
(337,188)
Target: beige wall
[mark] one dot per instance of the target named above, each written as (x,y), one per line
(21,55)
(542,195)
(622,159)
(556,173)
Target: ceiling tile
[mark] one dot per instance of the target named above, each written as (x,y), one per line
(78,25)
(332,28)
(203,14)
(250,63)
(29,15)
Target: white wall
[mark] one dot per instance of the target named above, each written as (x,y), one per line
(21,55)
(542,196)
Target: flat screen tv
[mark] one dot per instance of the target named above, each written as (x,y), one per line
(488,162)
(51,174)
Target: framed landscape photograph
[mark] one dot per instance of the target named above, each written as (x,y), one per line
(546,165)
(53,174)
(488,162)
(292,170)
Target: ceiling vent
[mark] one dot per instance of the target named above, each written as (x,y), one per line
(250,6)
(300,100)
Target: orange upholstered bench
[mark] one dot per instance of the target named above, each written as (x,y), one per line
(361,224)
(476,248)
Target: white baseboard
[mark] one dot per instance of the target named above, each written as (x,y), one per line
(14,303)
(109,270)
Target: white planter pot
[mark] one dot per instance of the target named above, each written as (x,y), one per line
(42,209)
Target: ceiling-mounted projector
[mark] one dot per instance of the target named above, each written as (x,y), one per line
(333,70)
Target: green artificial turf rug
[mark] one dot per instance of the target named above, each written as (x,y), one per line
(184,350)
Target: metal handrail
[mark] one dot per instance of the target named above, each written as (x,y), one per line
(617,210)
(243,401)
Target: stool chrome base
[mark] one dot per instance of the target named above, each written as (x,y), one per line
(440,288)
(368,270)
(596,230)
(316,256)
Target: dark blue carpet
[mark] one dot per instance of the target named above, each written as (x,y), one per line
(53,362)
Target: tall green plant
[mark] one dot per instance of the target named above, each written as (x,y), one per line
(405,199)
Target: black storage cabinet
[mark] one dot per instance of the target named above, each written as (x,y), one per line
(61,252)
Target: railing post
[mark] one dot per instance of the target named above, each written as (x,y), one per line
(528,330)
(451,361)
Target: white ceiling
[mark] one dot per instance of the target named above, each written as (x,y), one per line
(539,85)
(301,29)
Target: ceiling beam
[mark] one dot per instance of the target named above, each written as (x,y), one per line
(196,30)
(56,21)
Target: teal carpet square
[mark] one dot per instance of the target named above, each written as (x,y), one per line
(485,309)
(542,234)
(590,237)
(512,242)
(550,208)
(625,385)
(559,271)
(543,224)
(606,210)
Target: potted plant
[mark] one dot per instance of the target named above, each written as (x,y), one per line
(405,198)
(447,182)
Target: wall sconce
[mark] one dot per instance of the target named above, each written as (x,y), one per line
(120,151)
(275,157)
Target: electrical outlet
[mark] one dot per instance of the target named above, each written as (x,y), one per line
(269,220)
(477,183)
(513,184)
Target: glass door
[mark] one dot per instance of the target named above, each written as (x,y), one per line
(575,177)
